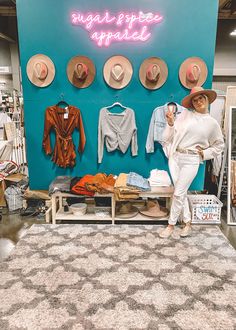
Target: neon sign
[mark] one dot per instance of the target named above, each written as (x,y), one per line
(120,27)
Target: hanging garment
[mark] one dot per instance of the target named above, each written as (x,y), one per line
(233,183)
(6,148)
(158,124)
(4,118)
(117,130)
(63,122)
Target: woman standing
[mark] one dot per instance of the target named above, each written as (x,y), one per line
(194,136)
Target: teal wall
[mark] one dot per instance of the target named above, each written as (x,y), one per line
(44,27)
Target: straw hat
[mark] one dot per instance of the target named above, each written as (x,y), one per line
(193,72)
(153,73)
(126,210)
(81,71)
(154,210)
(40,70)
(117,72)
(187,101)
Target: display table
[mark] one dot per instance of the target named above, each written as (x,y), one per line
(59,214)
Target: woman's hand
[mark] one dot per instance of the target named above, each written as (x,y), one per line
(200,152)
(170,118)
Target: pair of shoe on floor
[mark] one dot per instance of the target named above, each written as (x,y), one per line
(167,232)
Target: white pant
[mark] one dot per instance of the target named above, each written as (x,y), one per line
(183,169)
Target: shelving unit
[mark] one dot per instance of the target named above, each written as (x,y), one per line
(58,213)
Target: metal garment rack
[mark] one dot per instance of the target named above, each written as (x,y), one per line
(222,188)
(224,185)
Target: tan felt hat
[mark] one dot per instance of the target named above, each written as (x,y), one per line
(81,71)
(40,70)
(154,210)
(153,73)
(117,71)
(187,101)
(193,72)
(126,210)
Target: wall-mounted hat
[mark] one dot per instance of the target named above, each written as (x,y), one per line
(81,71)
(117,71)
(193,72)
(198,90)
(40,70)
(153,73)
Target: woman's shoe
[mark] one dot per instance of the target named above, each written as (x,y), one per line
(167,232)
(186,231)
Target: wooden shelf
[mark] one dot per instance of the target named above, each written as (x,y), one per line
(90,215)
(59,214)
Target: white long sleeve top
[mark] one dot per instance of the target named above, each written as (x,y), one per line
(193,129)
(117,130)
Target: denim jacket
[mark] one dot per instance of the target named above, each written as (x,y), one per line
(158,124)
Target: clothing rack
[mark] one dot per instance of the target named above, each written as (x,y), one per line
(14,131)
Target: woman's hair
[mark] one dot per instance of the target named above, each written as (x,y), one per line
(206,97)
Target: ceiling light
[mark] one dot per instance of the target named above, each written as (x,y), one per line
(233,33)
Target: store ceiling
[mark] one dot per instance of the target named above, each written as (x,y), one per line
(7,7)
(227,8)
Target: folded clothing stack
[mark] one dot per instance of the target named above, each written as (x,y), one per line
(90,184)
(159,178)
(136,180)
(122,190)
(60,183)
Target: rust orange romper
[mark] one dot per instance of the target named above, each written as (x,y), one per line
(64,150)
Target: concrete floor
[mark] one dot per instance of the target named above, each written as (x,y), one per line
(13,227)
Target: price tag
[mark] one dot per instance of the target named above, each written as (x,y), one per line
(66,114)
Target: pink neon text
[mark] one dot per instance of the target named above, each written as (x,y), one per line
(105,38)
(133,26)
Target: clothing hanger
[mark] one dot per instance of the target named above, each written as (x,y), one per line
(62,101)
(114,104)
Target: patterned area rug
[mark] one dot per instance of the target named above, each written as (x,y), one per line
(118,277)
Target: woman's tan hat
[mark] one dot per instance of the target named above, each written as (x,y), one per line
(117,71)
(40,70)
(154,210)
(126,210)
(193,72)
(153,73)
(81,71)
(187,101)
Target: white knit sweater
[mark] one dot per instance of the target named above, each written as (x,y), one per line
(193,129)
